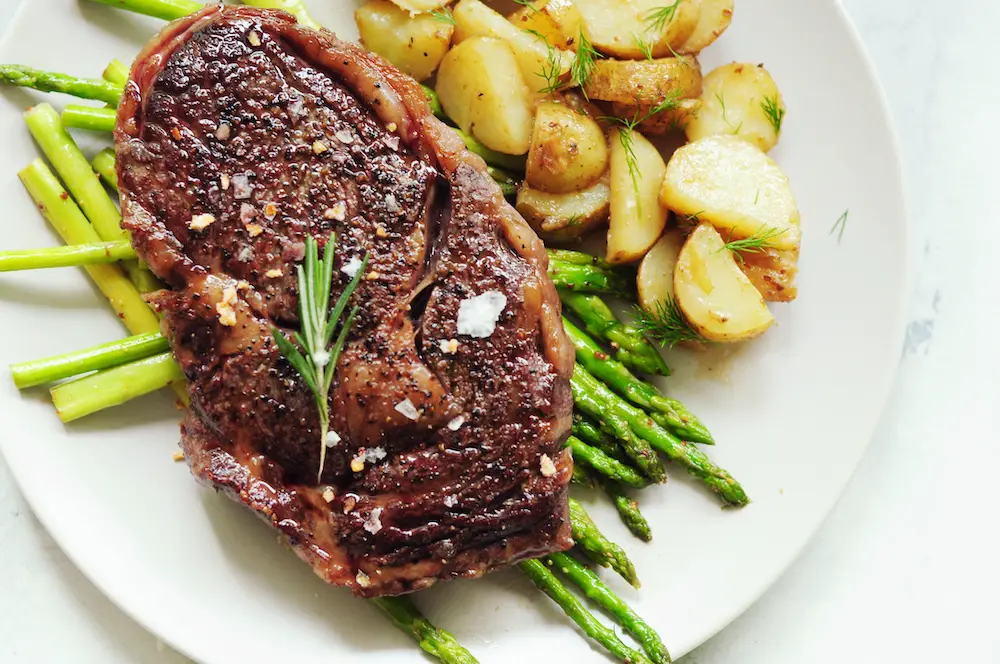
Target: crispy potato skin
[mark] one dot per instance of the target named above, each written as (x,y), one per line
(734,101)
(713,19)
(565,217)
(637,215)
(772,272)
(415,44)
(613,25)
(664,122)
(568,150)
(645,81)
(480,86)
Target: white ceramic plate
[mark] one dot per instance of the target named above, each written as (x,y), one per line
(792,412)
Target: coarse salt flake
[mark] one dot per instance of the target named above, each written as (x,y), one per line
(363,580)
(392,142)
(391,204)
(273,273)
(245,255)
(332,438)
(456,423)
(224,182)
(223,132)
(200,222)
(373,523)
(448,346)
(345,136)
(242,189)
(478,315)
(328,495)
(546,466)
(338,211)
(450,501)
(351,267)
(407,409)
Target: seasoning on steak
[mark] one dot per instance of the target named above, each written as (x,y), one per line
(241,134)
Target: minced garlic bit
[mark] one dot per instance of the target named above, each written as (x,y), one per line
(349,503)
(373,523)
(176,133)
(229,295)
(363,580)
(253,230)
(274,273)
(547,467)
(227,315)
(448,346)
(351,267)
(319,147)
(358,462)
(372,276)
(178,456)
(380,231)
(391,126)
(224,182)
(270,210)
(345,136)
(328,495)
(338,211)
(253,38)
(456,423)
(478,316)
(407,409)
(223,132)
(242,284)
(200,222)
(332,438)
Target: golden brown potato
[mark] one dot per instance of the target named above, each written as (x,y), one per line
(637,216)
(713,293)
(541,63)
(644,81)
(742,100)
(420,6)
(481,89)
(616,28)
(656,271)
(714,17)
(415,45)
(568,150)
(735,186)
(565,217)
(558,21)
(673,119)
(772,272)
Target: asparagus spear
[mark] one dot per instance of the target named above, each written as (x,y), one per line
(686,454)
(600,593)
(436,642)
(168,10)
(508,183)
(116,73)
(67,219)
(601,463)
(112,387)
(105,356)
(294,7)
(434,102)
(581,477)
(628,510)
(578,258)
(104,165)
(512,163)
(65,256)
(573,277)
(631,348)
(47,81)
(597,547)
(638,450)
(548,583)
(668,413)
(89,118)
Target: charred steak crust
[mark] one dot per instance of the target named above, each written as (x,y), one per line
(239,135)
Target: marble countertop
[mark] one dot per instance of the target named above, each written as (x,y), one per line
(904,570)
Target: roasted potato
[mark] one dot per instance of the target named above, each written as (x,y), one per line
(615,28)
(732,184)
(742,100)
(637,215)
(645,81)
(541,63)
(414,44)
(672,119)
(481,89)
(656,271)
(713,293)
(559,21)
(714,17)
(568,150)
(565,217)
(420,6)
(772,272)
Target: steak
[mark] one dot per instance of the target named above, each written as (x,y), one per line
(240,135)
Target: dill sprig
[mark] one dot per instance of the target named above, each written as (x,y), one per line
(316,362)
(839,226)
(529,4)
(756,243)
(774,111)
(443,15)
(645,46)
(658,18)
(584,63)
(725,117)
(552,69)
(666,324)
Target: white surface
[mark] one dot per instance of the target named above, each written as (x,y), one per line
(900,572)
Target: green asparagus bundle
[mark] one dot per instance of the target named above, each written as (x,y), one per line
(47,81)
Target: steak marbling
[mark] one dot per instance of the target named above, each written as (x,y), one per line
(242,133)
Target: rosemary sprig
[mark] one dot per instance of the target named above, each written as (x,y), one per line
(774,111)
(839,226)
(584,63)
(552,69)
(756,243)
(657,18)
(443,15)
(666,325)
(316,362)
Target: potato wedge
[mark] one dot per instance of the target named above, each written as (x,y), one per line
(673,119)
(646,81)
(414,44)
(568,150)
(613,26)
(714,17)
(713,293)
(656,271)
(559,21)
(637,215)
(565,217)
(772,272)
(735,186)
(481,89)
(420,6)
(742,100)
(541,63)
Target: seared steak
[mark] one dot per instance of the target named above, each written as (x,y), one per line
(240,134)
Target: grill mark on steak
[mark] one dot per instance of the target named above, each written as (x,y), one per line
(235,96)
